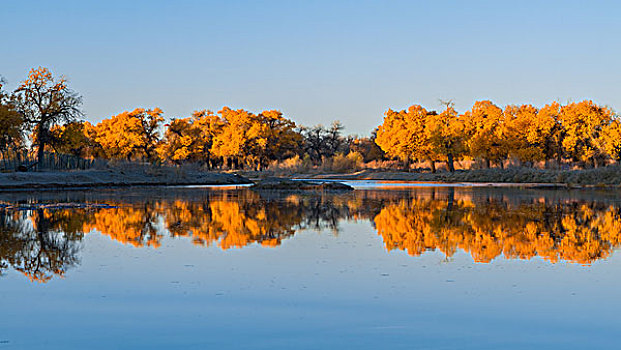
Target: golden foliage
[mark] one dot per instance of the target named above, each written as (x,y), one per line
(402,135)
(580,234)
(129,135)
(583,123)
(72,138)
(11,123)
(581,132)
(611,139)
(43,243)
(518,122)
(483,125)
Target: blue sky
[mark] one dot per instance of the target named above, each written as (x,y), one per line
(316,61)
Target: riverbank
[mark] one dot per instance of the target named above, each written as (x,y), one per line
(605,176)
(170,176)
(145,176)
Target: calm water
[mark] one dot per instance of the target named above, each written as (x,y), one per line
(379,267)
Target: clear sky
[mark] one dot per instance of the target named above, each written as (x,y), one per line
(316,60)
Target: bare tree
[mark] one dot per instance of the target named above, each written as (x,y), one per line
(44,102)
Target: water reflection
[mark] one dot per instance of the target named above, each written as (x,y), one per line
(574,232)
(486,223)
(40,244)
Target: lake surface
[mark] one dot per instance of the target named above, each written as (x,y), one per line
(385,266)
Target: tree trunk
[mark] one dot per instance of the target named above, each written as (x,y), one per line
(501,163)
(432,163)
(450,164)
(450,199)
(41,149)
(559,154)
(488,163)
(406,164)
(262,163)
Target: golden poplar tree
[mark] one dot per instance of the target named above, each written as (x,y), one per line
(232,143)
(191,139)
(611,137)
(272,137)
(517,120)
(71,138)
(402,135)
(130,134)
(11,123)
(483,125)
(583,123)
(445,133)
(547,133)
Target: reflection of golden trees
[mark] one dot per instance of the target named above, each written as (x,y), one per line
(233,224)
(575,233)
(230,220)
(486,228)
(133,225)
(42,242)
(38,244)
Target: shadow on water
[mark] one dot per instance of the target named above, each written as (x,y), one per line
(573,226)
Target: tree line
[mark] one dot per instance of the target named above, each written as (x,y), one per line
(582,133)
(43,114)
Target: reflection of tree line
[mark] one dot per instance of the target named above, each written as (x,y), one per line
(230,220)
(39,244)
(574,232)
(43,243)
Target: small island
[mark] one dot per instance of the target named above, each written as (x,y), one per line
(275,183)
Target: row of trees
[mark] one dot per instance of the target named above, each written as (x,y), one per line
(580,132)
(231,138)
(44,113)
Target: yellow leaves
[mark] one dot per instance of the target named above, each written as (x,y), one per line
(516,128)
(583,123)
(11,125)
(415,222)
(445,132)
(582,132)
(72,138)
(190,138)
(186,140)
(483,125)
(232,140)
(38,77)
(129,134)
(133,226)
(611,139)
(255,138)
(489,230)
(402,135)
